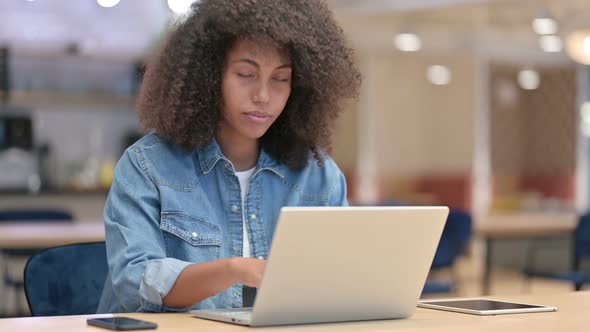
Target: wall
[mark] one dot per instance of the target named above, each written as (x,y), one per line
(533,136)
(410,131)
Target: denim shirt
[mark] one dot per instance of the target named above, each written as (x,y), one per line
(169,208)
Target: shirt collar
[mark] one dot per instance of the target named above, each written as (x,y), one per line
(211,154)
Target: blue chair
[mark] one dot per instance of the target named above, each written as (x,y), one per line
(453,241)
(435,287)
(28,215)
(581,239)
(66,280)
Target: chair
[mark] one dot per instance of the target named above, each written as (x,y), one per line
(435,287)
(28,215)
(581,251)
(453,241)
(66,280)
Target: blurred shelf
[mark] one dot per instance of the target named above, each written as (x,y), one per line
(54,193)
(44,99)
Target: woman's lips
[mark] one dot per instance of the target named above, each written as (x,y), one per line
(258,117)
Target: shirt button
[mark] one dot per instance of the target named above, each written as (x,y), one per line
(235,208)
(253,216)
(260,257)
(194,235)
(236,295)
(236,250)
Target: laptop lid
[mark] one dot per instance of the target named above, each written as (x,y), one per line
(332,264)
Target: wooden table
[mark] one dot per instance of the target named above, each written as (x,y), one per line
(520,226)
(39,235)
(571,316)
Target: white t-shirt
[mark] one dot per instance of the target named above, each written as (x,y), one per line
(244,178)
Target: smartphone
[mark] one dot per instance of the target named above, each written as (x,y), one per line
(121,323)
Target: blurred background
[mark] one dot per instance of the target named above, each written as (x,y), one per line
(483,106)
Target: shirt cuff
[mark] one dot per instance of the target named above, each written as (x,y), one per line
(157,281)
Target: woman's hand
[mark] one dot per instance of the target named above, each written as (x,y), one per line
(248,271)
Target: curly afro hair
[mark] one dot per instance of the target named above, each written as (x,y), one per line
(180,97)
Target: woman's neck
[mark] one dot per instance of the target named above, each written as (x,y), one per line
(242,152)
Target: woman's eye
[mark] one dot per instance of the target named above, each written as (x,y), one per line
(245,75)
(280,79)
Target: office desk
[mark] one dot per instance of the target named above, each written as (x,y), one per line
(520,226)
(39,235)
(572,316)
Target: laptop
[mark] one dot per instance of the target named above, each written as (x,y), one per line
(336,264)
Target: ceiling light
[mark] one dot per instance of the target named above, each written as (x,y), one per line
(578,46)
(438,75)
(550,43)
(407,42)
(529,79)
(180,7)
(108,3)
(545,25)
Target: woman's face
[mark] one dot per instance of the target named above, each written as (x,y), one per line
(255,86)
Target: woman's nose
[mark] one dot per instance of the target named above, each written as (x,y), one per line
(262,94)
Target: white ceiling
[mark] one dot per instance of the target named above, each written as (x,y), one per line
(499,29)
(356,7)
(131,28)
(48,26)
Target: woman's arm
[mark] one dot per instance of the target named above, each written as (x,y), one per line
(198,282)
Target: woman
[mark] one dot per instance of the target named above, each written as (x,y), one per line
(241,101)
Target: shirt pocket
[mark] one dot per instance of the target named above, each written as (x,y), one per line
(190,238)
